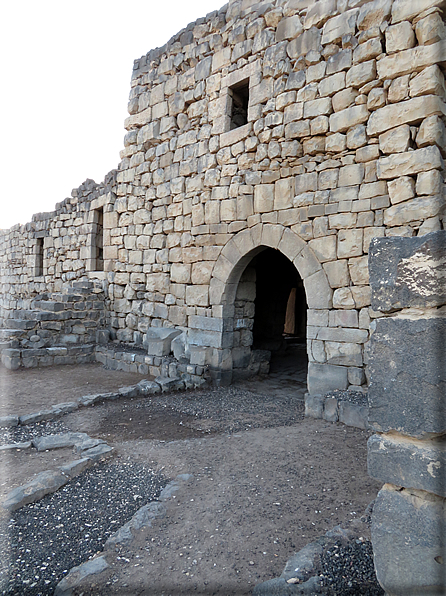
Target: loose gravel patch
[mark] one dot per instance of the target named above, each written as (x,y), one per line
(28,432)
(232,409)
(355,397)
(43,541)
(348,570)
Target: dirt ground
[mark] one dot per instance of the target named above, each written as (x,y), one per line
(25,391)
(257,495)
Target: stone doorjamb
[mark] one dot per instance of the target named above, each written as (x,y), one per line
(234,258)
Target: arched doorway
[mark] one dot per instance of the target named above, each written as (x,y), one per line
(236,339)
(270,315)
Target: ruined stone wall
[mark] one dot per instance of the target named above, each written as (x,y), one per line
(66,238)
(341,141)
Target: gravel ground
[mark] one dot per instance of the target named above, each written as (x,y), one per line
(349,570)
(43,541)
(229,409)
(355,397)
(22,434)
(246,446)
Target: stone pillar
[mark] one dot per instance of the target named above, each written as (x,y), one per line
(406,368)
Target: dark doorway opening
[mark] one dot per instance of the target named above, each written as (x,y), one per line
(280,303)
(270,319)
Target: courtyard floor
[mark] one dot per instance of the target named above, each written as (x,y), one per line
(265,480)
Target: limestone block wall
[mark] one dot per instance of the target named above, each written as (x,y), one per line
(305,127)
(53,250)
(342,143)
(406,364)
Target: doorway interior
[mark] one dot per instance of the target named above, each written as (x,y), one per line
(271,301)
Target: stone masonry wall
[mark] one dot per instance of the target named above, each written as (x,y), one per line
(406,364)
(337,139)
(66,236)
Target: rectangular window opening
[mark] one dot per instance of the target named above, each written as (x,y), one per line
(239,94)
(99,240)
(38,269)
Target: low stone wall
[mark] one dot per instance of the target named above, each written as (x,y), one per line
(406,367)
(348,407)
(137,360)
(36,358)
(56,328)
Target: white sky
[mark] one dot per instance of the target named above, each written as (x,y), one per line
(65,69)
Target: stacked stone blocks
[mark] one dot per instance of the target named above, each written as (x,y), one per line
(406,366)
(343,142)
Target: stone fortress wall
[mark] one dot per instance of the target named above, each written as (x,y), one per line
(271,147)
(305,127)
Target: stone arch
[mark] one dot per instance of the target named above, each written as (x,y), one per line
(239,251)
(234,258)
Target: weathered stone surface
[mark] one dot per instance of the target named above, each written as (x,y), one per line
(413,210)
(407,375)
(430,30)
(343,298)
(330,412)
(36,417)
(360,74)
(408,273)
(408,536)
(59,441)
(148,387)
(313,406)
(169,384)
(25,445)
(158,340)
(9,421)
(410,463)
(347,354)
(396,140)
(408,163)
(401,189)
(399,37)
(343,24)
(73,468)
(142,518)
(289,28)
(411,112)
(65,408)
(304,43)
(431,132)
(42,484)
(372,14)
(353,414)
(344,119)
(76,576)
(99,452)
(319,13)
(429,183)
(86,444)
(405,11)
(410,60)
(322,378)
(350,244)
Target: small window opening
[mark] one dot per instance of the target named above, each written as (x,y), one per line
(99,240)
(239,104)
(38,269)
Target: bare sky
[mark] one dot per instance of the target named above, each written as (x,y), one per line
(66,70)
